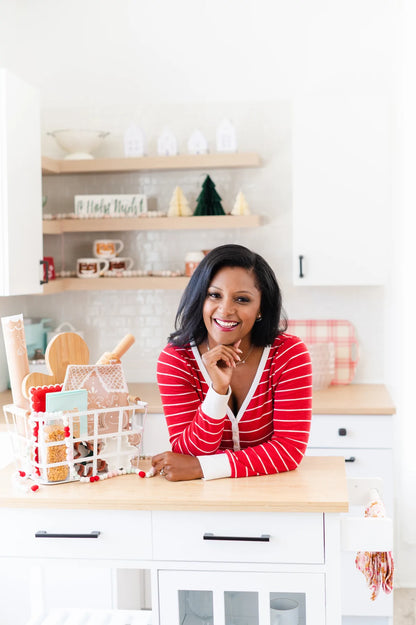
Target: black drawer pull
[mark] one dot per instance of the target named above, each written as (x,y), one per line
(342,432)
(351,459)
(43,534)
(264,538)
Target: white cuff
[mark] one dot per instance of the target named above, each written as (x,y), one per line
(214,404)
(215,466)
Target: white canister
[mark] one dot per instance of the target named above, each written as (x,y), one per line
(284,611)
(65,326)
(192,260)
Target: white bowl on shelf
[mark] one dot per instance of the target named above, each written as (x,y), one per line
(78,143)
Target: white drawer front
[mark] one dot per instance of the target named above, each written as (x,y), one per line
(360,431)
(124,535)
(293,537)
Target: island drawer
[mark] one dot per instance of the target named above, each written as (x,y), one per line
(238,536)
(351,431)
(86,534)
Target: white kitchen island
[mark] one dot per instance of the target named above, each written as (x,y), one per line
(226,547)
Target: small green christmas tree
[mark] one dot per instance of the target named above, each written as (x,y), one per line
(208,201)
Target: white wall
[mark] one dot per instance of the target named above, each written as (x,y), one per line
(187,64)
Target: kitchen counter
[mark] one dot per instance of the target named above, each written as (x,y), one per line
(317,485)
(365,399)
(270,534)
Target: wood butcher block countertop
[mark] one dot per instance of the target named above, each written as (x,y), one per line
(337,399)
(365,399)
(317,485)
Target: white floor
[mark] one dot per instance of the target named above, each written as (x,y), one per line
(405,606)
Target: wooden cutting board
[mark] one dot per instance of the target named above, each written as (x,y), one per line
(67,348)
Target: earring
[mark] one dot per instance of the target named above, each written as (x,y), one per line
(259,318)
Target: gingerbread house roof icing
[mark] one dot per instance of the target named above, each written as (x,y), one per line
(103,383)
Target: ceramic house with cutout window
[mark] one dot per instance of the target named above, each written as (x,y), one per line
(134,141)
(226,137)
(197,143)
(167,144)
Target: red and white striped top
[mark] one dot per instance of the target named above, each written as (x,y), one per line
(271,430)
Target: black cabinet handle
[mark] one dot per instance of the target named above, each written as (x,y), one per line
(342,432)
(264,538)
(301,274)
(351,459)
(46,271)
(43,534)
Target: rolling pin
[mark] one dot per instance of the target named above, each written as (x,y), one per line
(114,357)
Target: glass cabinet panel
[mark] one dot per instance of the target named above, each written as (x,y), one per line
(241,598)
(196,607)
(241,608)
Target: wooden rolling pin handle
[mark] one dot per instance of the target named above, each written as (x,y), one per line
(123,346)
(114,356)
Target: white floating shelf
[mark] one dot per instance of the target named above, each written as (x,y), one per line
(216,160)
(115,284)
(204,222)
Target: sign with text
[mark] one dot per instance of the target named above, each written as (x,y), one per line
(125,205)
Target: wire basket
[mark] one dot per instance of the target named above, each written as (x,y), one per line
(48,446)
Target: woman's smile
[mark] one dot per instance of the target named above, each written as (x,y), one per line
(226,325)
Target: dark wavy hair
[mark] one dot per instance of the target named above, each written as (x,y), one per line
(189,323)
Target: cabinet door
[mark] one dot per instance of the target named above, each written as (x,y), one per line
(20,187)
(237,598)
(341,189)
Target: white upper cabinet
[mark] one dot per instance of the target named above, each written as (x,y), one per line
(341,190)
(20,187)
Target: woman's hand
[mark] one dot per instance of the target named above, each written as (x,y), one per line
(177,467)
(220,362)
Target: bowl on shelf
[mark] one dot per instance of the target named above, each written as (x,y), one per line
(78,143)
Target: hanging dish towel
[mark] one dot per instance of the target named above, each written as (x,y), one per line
(377,566)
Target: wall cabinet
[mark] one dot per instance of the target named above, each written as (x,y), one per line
(20,187)
(366,444)
(341,190)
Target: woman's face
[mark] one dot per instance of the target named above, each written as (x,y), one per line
(231,306)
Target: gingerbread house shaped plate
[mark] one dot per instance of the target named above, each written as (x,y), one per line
(107,388)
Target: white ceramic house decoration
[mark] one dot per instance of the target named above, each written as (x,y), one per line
(134,141)
(226,137)
(197,143)
(240,205)
(167,144)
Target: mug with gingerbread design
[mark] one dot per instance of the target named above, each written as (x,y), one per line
(107,248)
(120,265)
(91,267)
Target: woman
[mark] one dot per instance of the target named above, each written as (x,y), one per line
(236,390)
